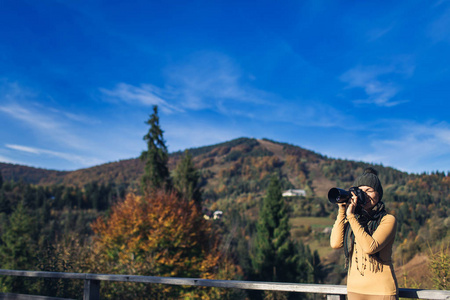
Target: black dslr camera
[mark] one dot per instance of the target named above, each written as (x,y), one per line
(336,195)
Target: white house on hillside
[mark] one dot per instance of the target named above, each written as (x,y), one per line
(293,193)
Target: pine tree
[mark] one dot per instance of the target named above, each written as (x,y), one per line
(17,248)
(186,180)
(5,204)
(1,180)
(277,257)
(156,157)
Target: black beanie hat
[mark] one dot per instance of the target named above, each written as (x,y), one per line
(370,178)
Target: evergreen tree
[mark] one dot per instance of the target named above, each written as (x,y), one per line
(319,273)
(156,157)
(1,180)
(277,257)
(5,204)
(17,248)
(40,197)
(186,180)
(96,195)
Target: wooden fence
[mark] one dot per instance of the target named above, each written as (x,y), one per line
(92,285)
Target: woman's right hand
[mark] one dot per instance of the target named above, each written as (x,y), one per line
(351,205)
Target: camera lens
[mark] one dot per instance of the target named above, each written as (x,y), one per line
(336,195)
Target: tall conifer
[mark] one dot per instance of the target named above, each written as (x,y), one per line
(186,180)
(276,257)
(156,157)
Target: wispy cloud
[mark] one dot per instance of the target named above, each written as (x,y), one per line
(49,126)
(204,81)
(85,161)
(439,29)
(72,116)
(46,122)
(415,147)
(379,92)
(378,33)
(145,94)
(213,80)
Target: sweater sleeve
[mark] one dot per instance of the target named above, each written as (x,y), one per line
(337,233)
(379,239)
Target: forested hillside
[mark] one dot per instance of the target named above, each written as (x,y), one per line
(234,177)
(236,173)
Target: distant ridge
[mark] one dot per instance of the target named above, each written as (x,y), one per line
(242,164)
(29,174)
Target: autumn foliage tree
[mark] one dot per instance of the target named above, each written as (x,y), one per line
(158,235)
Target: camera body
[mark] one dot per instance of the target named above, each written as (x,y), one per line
(337,195)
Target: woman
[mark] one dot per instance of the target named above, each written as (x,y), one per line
(367,238)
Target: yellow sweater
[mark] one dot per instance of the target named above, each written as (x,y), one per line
(367,275)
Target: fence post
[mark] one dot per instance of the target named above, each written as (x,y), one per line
(91,289)
(335,297)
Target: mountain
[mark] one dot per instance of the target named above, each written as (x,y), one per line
(236,174)
(240,165)
(234,177)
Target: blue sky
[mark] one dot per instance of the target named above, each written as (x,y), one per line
(360,80)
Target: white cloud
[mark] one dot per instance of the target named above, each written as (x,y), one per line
(23,148)
(47,125)
(205,81)
(146,95)
(213,80)
(379,92)
(414,148)
(26,115)
(85,161)
(439,29)
(71,116)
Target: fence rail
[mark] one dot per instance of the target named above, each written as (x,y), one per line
(333,292)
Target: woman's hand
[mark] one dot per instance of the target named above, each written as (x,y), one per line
(351,205)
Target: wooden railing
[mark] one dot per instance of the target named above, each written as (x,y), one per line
(92,285)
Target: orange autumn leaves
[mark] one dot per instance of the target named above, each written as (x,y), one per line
(159,235)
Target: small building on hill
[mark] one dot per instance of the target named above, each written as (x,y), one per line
(217,215)
(294,193)
(212,215)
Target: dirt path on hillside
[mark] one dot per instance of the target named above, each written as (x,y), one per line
(276,149)
(320,184)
